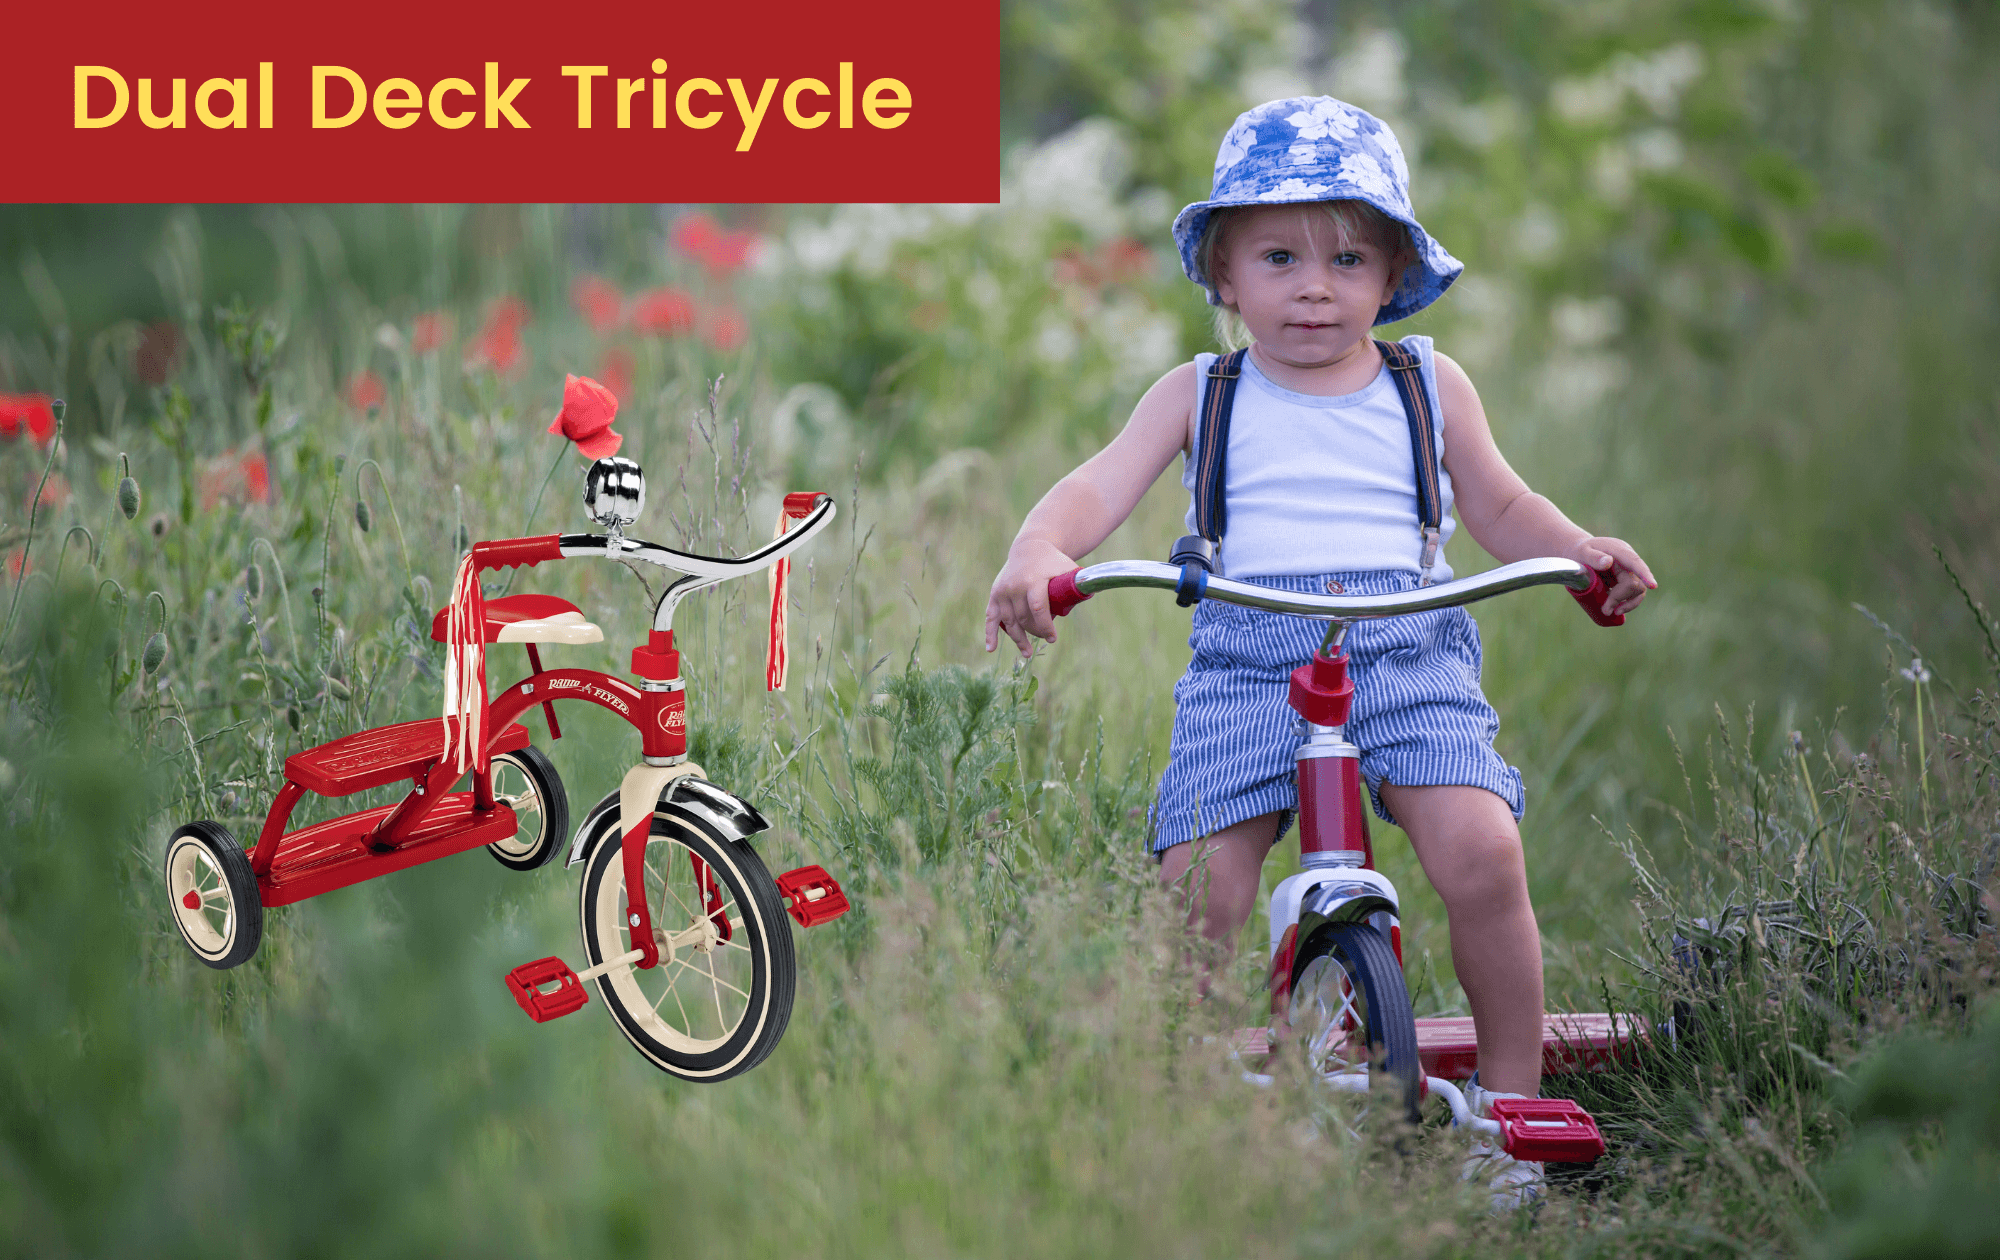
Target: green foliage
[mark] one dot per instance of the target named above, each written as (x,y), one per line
(1919,1178)
(1730,270)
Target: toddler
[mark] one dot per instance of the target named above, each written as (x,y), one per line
(1306,242)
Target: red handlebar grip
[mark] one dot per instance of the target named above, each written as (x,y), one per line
(1063,594)
(1593,601)
(505,553)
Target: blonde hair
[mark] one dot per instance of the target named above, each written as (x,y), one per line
(1352,221)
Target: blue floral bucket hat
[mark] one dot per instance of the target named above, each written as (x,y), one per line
(1314,148)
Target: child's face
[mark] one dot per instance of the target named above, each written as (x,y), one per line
(1306,296)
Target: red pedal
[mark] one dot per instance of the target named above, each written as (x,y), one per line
(525,983)
(1553,1130)
(812,896)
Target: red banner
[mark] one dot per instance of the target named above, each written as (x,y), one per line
(888,100)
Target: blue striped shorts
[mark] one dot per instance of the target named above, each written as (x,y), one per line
(1418,717)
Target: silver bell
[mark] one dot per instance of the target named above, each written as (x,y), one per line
(614,492)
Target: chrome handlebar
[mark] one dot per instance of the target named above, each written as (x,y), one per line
(1546,571)
(698,572)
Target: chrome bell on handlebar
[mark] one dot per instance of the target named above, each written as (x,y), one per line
(614,493)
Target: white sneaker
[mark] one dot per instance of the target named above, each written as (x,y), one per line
(1512,1183)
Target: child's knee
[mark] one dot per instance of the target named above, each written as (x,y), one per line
(1484,867)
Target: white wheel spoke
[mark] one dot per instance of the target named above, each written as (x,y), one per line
(687,1020)
(720,1022)
(725,984)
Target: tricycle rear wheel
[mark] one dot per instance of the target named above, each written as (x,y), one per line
(214,895)
(526,780)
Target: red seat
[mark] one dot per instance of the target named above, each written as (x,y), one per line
(387,754)
(509,609)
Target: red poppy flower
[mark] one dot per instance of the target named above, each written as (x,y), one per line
(586,415)
(365,391)
(430,331)
(616,372)
(17,564)
(510,312)
(499,342)
(724,329)
(694,235)
(701,238)
(598,301)
(256,471)
(730,251)
(663,312)
(159,353)
(236,478)
(32,412)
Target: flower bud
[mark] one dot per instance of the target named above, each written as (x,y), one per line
(128,497)
(253,581)
(292,716)
(157,526)
(364,516)
(155,654)
(464,539)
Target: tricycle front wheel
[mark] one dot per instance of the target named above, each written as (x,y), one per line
(214,895)
(721,996)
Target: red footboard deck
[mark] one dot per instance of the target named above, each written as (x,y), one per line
(335,853)
(1570,1043)
(384,755)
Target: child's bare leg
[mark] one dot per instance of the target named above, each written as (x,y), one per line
(1471,850)
(1223,888)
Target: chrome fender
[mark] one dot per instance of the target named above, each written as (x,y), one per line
(717,810)
(1334,894)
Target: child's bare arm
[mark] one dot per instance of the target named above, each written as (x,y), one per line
(1507,518)
(1082,509)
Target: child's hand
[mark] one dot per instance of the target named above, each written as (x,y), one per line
(1019,604)
(1624,572)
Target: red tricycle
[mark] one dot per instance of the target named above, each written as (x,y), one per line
(683,927)
(1336,969)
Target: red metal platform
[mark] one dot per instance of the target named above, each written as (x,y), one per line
(1570,1043)
(335,853)
(386,754)
(1447,1048)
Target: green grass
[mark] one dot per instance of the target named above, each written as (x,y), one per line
(997,1053)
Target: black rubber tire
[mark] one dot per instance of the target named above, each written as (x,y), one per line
(1376,979)
(761,932)
(525,853)
(204,860)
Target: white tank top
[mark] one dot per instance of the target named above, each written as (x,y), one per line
(1318,484)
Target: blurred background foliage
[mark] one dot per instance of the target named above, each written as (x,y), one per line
(1730,293)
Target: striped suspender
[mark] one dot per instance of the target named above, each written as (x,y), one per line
(1210,515)
(1407,371)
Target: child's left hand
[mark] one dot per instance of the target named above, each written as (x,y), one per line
(1624,572)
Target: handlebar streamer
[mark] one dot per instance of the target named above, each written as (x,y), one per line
(465,668)
(798,506)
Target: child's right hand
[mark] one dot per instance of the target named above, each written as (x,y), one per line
(1019,604)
